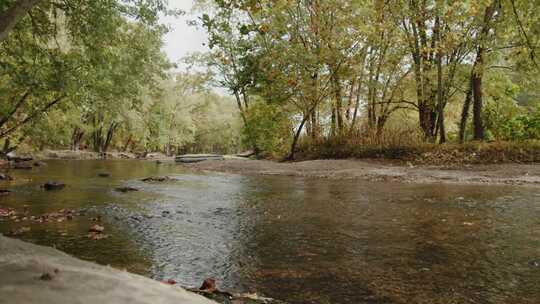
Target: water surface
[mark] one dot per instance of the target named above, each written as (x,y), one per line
(296,239)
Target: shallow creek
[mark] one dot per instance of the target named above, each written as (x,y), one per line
(296,239)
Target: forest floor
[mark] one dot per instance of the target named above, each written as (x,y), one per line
(382,170)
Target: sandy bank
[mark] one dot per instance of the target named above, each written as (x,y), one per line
(376,170)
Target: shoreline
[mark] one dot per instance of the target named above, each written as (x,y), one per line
(381,170)
(386,170)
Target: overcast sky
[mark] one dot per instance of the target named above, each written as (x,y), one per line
(182,38)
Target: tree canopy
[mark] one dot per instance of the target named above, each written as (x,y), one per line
(300,73)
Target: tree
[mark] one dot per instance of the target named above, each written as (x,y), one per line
(55,50)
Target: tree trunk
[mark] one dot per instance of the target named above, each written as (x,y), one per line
(108,139)
(478,73)
(76,139)
(314,126)
(440,101)
(338,107)
(296,137)
(478,103)
(381,121)
(128,142)
(465,114)
(333,121)
(13,15)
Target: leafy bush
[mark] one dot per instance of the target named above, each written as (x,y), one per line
(269,127)
(509,126)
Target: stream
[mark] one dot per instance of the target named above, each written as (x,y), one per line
(301,240)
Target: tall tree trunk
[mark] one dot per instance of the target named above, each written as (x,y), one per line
(76,139)
(350,101)
(465,114)
(314,126)
(333,126)
(108,139)
(381,121)
(339,106)
(296,137)
(128,142)
(478,123)
(440,101)
(478,73)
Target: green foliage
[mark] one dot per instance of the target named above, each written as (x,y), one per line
(338,68)
(514,124)
(271,127)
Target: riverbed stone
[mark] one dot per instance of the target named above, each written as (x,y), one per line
(35,274)
(53,185)
(12,156)
(156,179)
(22,165)
(126,189)
(5,177)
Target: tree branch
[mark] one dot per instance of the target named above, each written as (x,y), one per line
(13,15)
(14,110)
(32,116)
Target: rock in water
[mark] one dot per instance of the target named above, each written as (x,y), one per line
(39,164)
(12,156)
(156,179)
(52,185)
(22,165)
(104,174)
(5,177)
(126,189)
(209,285)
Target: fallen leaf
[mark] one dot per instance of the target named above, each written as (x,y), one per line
(96,228)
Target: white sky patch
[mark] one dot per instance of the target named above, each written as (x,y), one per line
(182,38)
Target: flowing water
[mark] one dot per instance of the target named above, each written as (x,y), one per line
(296,239)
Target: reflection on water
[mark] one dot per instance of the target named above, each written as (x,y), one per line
(302,240)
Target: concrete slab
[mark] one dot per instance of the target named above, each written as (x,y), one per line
(35,274)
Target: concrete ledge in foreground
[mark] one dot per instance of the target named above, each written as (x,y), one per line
(35,274)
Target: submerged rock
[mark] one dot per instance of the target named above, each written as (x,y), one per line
(12,156)
(22,165)
(39,164)
(104,174)
(52,185)
(5,177)
(156,179)
(126,189)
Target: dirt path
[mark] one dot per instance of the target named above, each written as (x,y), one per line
(376,170)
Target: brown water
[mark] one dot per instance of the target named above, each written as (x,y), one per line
(300,240)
